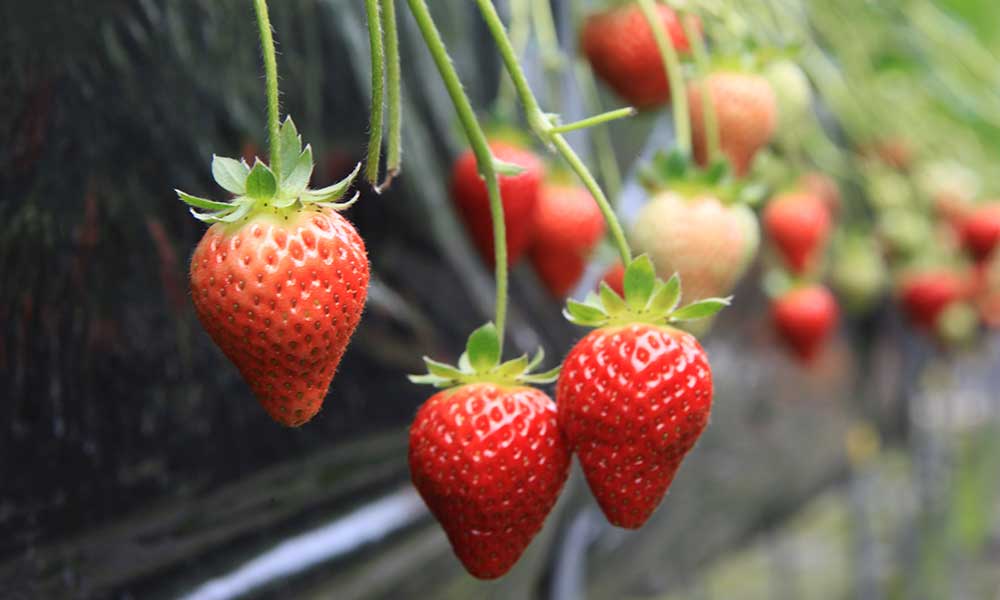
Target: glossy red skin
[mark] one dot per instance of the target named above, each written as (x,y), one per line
(805,318)
(490,462)
(615,277)
(981,231)
(746,110)
(632,403)
(925,295)
(519,194)
(622,51)
(282,299)
(568,225)
(799,226)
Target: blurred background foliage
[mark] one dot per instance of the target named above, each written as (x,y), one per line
(134,463)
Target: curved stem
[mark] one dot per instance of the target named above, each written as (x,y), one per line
(271,75)
(480,147)
(713,142)
(520,32)
(378,90)
(603,148)
(548,44)
(393,80)
(542,126)
(672,65)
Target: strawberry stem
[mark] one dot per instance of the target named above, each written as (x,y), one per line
(378,90)
(713,142)
(271,75)
(602,118)
(393,81)
(480,147)
(542,126)
(672,65)
(548,45)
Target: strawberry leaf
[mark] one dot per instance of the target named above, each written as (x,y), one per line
(700,309)
(298,177)
(333,192)
(441,369)
(612,302)
(541,378)
(513,368)
(666,298)
(231,174)
(429,379)
(204,203)
(483,348)
(536,359)
(583,314)
(290,147)
(638,282)
(261,184)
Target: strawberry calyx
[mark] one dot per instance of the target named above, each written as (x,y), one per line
(480,363)
(677,173)
(647,299)
(258,189)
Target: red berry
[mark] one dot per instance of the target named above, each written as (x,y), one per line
(981,231)
(747,113)
(568,225)
(926,294)
(519,194)
(799,225)
(621,49)
(489,462)
(805,317)
(632,402)
(281,298)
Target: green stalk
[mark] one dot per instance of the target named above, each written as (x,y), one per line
(672,65)
(393,79)
(520,33)
(378,90)
(600,140)
(605,117)
(480,147)
(271,76)
(548,44)
(712,140)
(542,126)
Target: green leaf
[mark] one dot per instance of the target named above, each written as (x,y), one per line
(231,174)
(611,301)
(332,192)
(536,359)
(667,297)
(261,184)
(298,178)
(441,369)
(463,363)
(584,313)
(483,348)
(717,172)
(202,202)
(512,368)
(546,377)
(700,309)
(291,147)
(242,210)
(640,277)
(676,165)
(430,380)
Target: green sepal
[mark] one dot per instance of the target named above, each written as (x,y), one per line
(197,202)
(701,309)
(483,348)
(667,296)
(297,179)
(230,174)
(261,183)
(638,282)
(612,303)
(678,173)
(291,148)
(332,193)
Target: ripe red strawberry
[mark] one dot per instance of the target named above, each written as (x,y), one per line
(280,280)
(621,49)
(925,294)
(487,455)
(981,231)
(518,192)
(805,317)
(568,225)
(799,225)
(708,243)
(614,278)
(746,109)
(635,394)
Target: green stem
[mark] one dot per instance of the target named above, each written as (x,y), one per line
(542,127)
(672,65)
(548,44)
(271,75)
(480,147)
(393,77)
(600,119)
(713,142)
(520,33)
(378,90)
(600,139)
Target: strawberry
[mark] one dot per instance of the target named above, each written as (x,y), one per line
(518,192)
(981,231)
(614,278)
(804,318)
(799,225)
(622,51)
(708,243)
(279,281)
(635,394)
(926,293)
(747,112)
(823,187)
(487,455)
(567,226)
